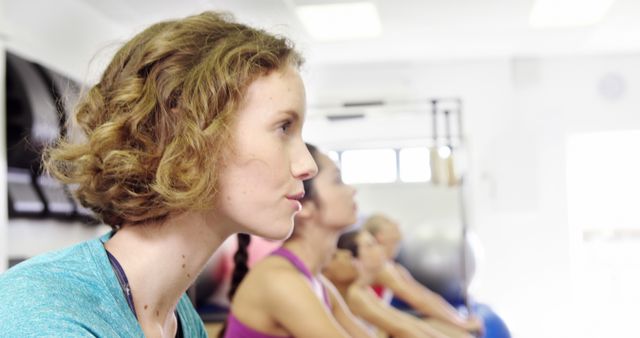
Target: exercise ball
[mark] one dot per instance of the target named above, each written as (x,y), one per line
(433,255)
(494,326)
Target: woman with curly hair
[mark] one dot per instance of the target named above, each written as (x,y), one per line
(192,134)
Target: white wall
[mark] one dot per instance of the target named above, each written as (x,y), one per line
(30,237)
(518,115)
(411,204)
(567,98)
(69,36)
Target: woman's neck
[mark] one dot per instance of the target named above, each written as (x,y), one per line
(161,261)
(313,244)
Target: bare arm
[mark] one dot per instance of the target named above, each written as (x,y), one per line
(342,313)
(391,321)
(295,307)
(425,301)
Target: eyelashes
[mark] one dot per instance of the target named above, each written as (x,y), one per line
(286,125)
(289,127)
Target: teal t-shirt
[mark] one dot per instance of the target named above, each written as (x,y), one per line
(74,293)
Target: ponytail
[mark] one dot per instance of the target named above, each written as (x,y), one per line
(241,268)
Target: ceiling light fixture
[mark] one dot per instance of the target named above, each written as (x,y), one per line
(568,13)
(340,21)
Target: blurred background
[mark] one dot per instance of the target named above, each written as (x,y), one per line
(544,105)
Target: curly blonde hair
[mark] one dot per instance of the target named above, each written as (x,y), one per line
(157,123)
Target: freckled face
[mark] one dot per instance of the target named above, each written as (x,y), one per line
(262,179)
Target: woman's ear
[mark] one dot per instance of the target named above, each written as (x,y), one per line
(357,264)
(379,237)
(308,209)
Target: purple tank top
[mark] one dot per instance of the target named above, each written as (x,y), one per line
(236,328)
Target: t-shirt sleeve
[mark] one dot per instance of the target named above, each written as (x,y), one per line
(25,312)
(58,295)
(43,328)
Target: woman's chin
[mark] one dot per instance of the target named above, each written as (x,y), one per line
(280,233)
(347,222)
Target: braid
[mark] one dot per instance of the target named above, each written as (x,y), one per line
(240,259)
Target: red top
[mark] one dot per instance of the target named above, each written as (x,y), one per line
(379,290)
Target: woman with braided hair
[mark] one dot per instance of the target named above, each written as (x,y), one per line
(192,134)
(284,294)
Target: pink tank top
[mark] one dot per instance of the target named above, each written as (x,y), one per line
(236,328)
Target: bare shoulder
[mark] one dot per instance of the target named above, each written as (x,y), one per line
(286,301)
(276,279)
(389,275)
(264,273)
(403,272)
(271,269)
(267,289)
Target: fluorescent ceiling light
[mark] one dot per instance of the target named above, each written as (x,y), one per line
(568,13)
(340,21)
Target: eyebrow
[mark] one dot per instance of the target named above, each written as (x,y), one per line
(292,113)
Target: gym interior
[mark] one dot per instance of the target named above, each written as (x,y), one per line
(500,140)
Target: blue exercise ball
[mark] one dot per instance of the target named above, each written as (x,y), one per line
(494,326)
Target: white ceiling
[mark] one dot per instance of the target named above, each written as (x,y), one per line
(413,30)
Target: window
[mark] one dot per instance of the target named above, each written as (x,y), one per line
(334,156)
(369,166)
(415,165)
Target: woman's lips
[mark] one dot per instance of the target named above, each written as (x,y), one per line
(295,200)
(297,196)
